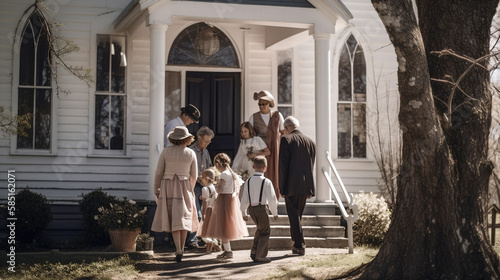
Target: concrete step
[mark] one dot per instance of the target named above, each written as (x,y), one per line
(307,220)
(314,231)
(313,208)
(282,242)
(321,224)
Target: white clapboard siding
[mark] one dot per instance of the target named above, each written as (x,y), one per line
(72,170)
(258,70)
(303,91)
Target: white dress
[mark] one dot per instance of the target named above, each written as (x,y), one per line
(242,165)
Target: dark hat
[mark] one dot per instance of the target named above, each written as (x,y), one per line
(179,133)
(192,112)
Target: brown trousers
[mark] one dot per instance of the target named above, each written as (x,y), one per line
(261,239)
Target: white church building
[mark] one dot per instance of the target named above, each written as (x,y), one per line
(328,63)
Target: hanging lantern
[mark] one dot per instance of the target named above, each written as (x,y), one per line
(207,42)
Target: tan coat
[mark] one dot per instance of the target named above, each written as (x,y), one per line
(175,176)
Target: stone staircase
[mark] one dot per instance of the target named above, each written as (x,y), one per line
(321,226)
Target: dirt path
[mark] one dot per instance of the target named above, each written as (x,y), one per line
(198,265)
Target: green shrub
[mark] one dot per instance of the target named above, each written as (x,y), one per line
(33,214)
(373,221)
(95,234)
(144,241)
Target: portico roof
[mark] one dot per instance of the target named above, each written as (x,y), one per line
(320,19)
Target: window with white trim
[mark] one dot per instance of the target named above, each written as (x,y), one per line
(351,105)
(35,86)
(110,95)
(285,85)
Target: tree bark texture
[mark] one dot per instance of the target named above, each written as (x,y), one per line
(438,229)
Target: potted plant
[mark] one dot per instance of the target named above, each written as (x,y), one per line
(145,242)
(123,221)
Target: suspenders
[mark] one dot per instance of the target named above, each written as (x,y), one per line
(261,189)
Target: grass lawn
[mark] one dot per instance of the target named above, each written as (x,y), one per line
(325,266)
(66,267)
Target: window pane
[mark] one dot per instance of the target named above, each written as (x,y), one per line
(42,119)
(359,130)
(344,130)
(351,44)
(25,106)
(285,77)
(285,111)
(101,122)
(117,116)
(201,44)
(118,71)
(102,67)
(359,73)
(345,76)
(27,58)
(42,60)
(172,95)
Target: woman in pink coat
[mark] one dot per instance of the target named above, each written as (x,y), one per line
(175,179)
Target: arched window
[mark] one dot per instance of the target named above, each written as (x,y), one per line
(203,45)
(35,89)
(351,106)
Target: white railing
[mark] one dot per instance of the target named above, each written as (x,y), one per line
(350,216)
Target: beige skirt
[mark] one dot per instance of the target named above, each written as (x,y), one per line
(176,209)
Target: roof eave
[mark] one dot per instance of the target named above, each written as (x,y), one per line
(334,9)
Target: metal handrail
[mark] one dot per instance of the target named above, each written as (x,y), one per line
(332,166)
(350,218)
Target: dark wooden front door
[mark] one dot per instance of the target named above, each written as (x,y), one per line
(218,97)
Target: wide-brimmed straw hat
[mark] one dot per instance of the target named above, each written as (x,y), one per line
(179,133)
(192,112)
(264,95)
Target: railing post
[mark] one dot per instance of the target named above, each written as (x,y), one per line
(349,217)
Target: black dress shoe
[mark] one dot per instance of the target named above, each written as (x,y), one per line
(299,251)
(252,256)
(178,258)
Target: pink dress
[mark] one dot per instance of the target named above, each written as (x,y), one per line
(227,221)
(176,209)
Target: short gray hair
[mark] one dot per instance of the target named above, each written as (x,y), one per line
(292,122)
(204,130)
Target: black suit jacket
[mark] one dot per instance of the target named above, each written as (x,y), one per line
(297,156)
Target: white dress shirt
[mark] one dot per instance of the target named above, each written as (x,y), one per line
(268,195)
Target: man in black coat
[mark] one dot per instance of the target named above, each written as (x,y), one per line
(297,156)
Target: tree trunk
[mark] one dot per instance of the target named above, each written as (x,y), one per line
(438,229)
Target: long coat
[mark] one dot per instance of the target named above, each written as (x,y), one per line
(296,163)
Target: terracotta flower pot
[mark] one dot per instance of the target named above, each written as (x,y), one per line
(124,240)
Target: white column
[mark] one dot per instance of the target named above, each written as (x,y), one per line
(156,99)
(323,115)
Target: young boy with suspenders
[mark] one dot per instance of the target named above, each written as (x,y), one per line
(258,194)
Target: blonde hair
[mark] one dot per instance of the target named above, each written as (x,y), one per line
(209,174)
(260,162)
(225,161)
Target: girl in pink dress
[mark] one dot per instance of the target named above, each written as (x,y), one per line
(227,221)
